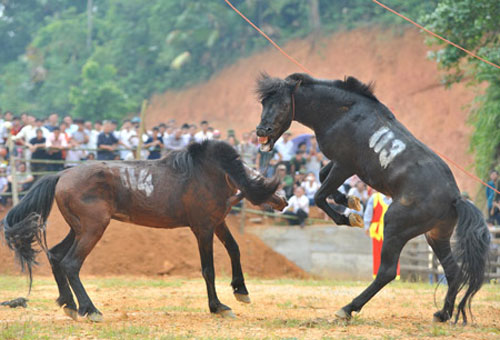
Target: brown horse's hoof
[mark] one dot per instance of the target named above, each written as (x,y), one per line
(356,220)
(343,315)
(226,314)
(242,297)
(354,203)
(71,313)
(95,317)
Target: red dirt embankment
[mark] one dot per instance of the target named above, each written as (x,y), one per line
(406,81)
(127,249)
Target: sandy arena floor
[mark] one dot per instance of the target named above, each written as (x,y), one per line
(176,308)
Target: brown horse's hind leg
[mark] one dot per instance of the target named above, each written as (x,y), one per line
(88,225)
(205,237)
(442,249)
(238,282)
(56,254)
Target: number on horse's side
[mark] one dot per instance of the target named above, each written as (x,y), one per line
(195,187)
(361,136)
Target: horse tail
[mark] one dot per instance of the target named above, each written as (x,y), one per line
(256,188)
(471,251)
(25,223)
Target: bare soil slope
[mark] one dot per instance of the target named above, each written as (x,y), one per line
(406,81)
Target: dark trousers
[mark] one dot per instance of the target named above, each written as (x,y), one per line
(300,214)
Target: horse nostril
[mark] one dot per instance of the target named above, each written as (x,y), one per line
(269,129)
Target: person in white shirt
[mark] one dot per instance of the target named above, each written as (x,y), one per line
(298,206)
(359,191)
(125,138)
(285,149)
(204,134)
(93,136)
(310,186)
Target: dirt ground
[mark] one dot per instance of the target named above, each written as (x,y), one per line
(176,308)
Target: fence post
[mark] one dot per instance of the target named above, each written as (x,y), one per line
(242,220)
(13,171)
(141,129)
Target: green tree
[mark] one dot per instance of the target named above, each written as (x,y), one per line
(474,25)
(99,96)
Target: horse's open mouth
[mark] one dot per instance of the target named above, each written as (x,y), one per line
(265,144)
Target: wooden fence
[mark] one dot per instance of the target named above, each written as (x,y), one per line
(419,263)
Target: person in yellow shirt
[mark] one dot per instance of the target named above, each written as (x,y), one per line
(373,217)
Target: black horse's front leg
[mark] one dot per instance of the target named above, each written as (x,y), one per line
(205,237)
(352,202)
(329,184)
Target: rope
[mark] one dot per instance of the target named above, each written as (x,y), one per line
(268,39)
(436,35)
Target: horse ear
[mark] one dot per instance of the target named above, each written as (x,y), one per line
(295,78)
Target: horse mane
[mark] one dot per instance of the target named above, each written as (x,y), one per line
(185,161)
(349,84)
(268,86)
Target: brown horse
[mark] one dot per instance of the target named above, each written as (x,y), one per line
(195,187)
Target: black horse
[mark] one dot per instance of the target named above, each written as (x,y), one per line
(361,136)
(195,187)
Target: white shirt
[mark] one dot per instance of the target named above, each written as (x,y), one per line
(295,203)
(201,136)
(29,131)
(124,138)
(310,188)
(285,149)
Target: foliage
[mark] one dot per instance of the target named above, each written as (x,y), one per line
(473,24)
(138,47)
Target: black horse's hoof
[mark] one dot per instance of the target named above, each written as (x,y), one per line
(242,297)
(72,313)
(440,317)
(225,312)
(95,317)
(356,220)
(342,314)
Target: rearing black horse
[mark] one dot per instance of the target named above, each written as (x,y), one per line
(361,136)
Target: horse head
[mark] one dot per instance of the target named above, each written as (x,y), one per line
(278,107)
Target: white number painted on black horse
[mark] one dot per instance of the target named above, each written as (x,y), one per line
(142,182)
(381,138)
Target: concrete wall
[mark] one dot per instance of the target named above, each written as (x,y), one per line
(337,252)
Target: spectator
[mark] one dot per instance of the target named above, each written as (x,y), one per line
(231,140)
(186,136)
(23,177)
(285,179)
(154,144)
(53,121)
(176,141)
(56,143)
(204,134)
(490,192)
(359,191)
(495,212)
(298,206)
(106,143)
(298,162)
(216,134)
(310,186)
(285,149)
(124,139)
(37,147)
(93,136)
(313,158)
(77,141)
(266,161)
(4,186)
(374,226)
(71,126)
(247,150)
(192,133)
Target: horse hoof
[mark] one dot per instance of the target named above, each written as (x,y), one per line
(342,314)
(354,203)
(95,317)
(356,220)
(226,314)
(71,313)
(242,297)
